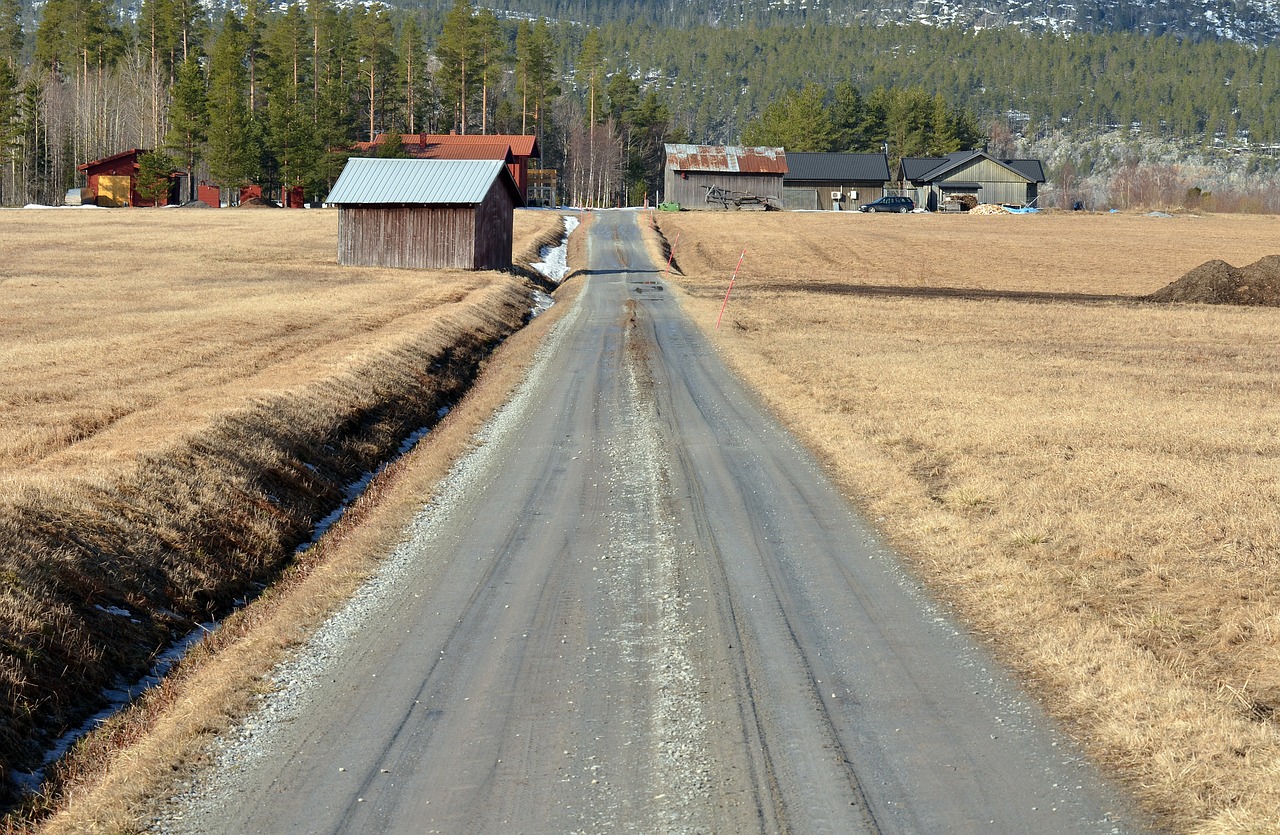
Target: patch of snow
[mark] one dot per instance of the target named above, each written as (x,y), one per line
(541,303)
(117,697)
(555,259)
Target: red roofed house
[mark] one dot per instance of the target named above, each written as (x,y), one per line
(516,149)
(113,180)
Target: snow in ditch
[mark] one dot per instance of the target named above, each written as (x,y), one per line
(124,693)
(117,697)
(555,259)
(554,265)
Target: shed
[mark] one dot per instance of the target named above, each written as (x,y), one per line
(833,181)
(933,179)
(113,181)
(425,213)
(693,170)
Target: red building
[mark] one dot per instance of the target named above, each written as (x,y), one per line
(113,181)
(516,149)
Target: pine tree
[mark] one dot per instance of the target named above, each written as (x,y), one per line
(458,53)
(650,126)
(155,175)
(254,23)
(335,118)
(847,115)
(491,59)
(233,151)
(12,38)
(374,38)
(590,73)
(74,35)
(9,113)
(291,136)
(188,120)
(413,74)
(533,58)
(797,122)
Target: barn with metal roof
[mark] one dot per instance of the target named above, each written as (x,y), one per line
(517,149)
(723,176)
(426,213)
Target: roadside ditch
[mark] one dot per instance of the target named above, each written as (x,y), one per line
(106,583)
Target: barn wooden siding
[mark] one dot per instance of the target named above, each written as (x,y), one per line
(691,192)
(817,195)
(999,184)
(429,237)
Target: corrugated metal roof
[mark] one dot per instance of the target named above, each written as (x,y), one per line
(865,168)
(497,150)
(731,158)
(522,145)
(415,181)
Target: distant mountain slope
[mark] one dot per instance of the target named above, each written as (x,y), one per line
(1247,21)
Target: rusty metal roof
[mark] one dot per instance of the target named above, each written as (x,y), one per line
(402,182)
(732,158)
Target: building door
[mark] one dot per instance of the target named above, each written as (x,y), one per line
(114,189)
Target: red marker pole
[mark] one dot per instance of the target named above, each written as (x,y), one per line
(730,290)
(670,255)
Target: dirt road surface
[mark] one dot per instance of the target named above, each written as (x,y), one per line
(639,606)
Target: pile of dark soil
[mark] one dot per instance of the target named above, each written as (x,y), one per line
(1217,282)
(259,203)
(195,204)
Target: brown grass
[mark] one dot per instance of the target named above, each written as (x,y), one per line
(1092,483)
(120,773)
(177,417)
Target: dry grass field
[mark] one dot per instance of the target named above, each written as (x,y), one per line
(185,394)
(120,330)
(1090,480)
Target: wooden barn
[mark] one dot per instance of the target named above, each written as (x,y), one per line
(425,213)
(833,181)
(930,181)
(113,181)
(695,172)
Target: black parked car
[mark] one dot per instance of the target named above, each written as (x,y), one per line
(889,203)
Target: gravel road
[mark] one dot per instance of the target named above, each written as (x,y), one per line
(639,606)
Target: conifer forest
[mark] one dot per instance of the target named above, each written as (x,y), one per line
(276,94)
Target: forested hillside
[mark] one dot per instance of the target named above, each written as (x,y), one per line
(276,94)
(1247,21)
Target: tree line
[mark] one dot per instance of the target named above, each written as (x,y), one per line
(907,122)
(276,95)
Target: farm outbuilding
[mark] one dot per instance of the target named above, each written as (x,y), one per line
(932,180)
(694,171)
(833,181)
(425,213)
(113,181)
